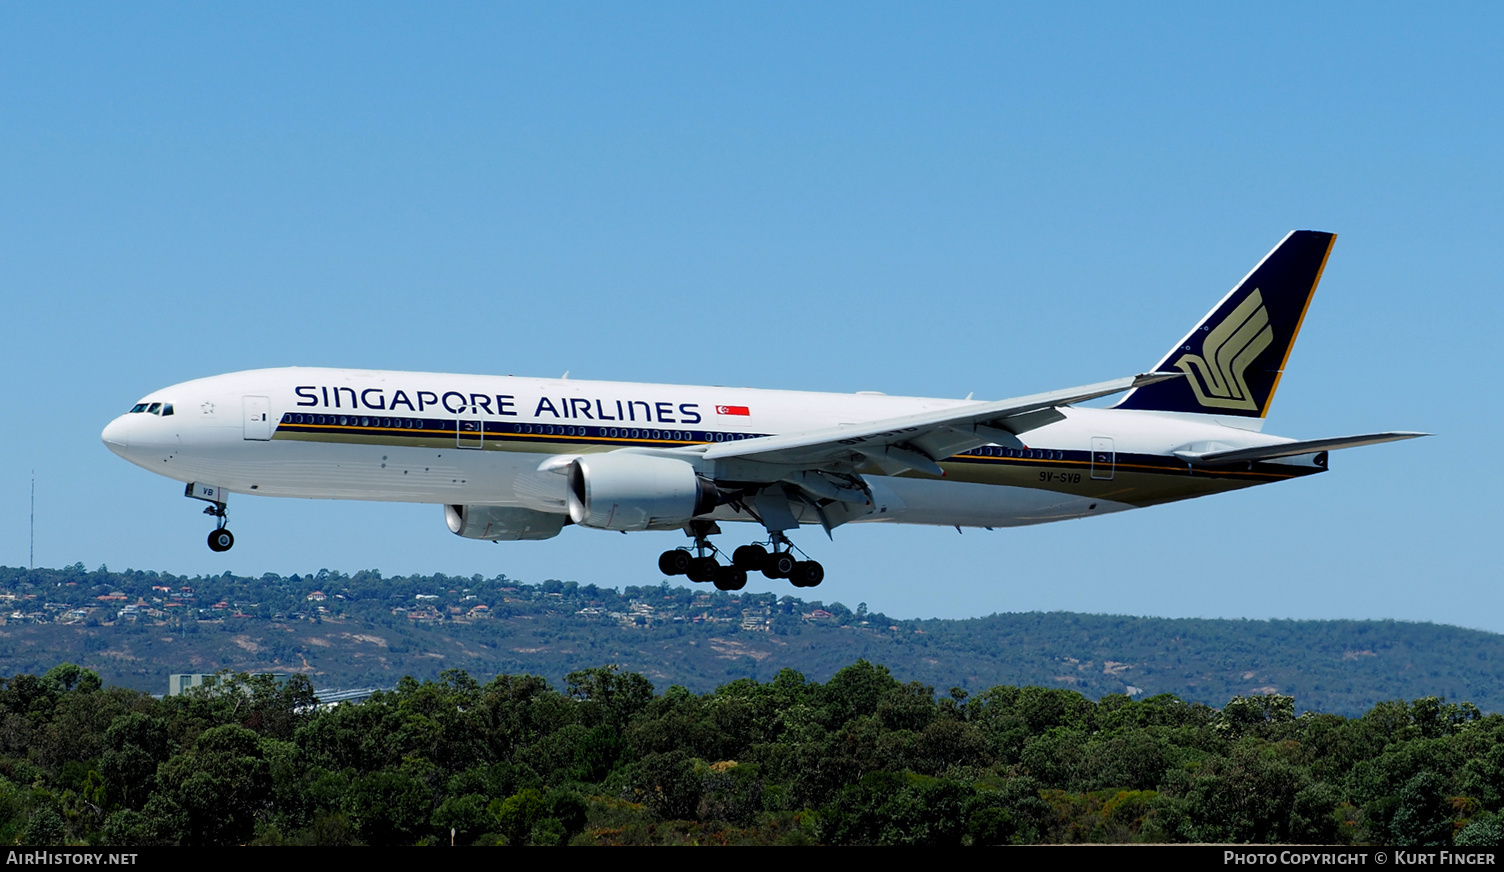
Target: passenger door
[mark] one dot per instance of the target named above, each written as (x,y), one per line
(258,425)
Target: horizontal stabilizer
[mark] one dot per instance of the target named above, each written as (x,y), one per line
(1291,449)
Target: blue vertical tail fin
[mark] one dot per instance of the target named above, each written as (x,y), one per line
(1234,358)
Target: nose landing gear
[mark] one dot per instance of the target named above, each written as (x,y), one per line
(220,538)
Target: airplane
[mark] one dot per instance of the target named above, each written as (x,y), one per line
(521,458)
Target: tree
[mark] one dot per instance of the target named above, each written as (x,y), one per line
(608,695)
(136,744)
(71,677)
(890,809)
(1423,815)
(670,786)
(388,808)
(220,787)
(517,815)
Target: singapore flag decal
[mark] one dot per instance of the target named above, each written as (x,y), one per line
(732,410)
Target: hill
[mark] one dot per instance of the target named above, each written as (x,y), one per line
(134,628)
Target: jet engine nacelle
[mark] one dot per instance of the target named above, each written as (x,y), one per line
(618,491)
(503,522)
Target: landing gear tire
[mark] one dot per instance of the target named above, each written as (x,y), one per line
(702,569)
(807,573)
(221,540)
(779,565)
(730,578)
(749,557)
(675,562)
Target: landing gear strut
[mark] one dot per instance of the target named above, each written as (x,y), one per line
(781,563)
(220,538)
(700,564)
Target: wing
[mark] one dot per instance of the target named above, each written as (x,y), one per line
(915,442)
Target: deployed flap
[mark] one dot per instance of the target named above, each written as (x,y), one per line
(1291,449)
(918,441)
(774,508)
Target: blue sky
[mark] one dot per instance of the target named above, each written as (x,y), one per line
(907,198)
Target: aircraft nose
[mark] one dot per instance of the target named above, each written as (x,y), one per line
(116,434)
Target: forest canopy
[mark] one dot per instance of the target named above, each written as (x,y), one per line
(608,759)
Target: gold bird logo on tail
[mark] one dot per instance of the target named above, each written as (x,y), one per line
(1218,374)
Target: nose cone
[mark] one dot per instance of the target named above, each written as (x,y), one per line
(116,435)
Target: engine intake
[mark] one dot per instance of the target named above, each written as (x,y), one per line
(618,491)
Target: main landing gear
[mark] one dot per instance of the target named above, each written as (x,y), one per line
(700,565)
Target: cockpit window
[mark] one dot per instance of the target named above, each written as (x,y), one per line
(139,407)
(154,409)
(166,409)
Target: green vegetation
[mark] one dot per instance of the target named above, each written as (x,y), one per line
(860,759)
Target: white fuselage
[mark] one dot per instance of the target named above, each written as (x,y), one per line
(481,440)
